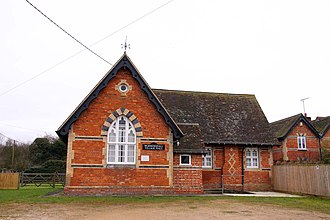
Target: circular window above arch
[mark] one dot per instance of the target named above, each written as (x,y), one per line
(123,87)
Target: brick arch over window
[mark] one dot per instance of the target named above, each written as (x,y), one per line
(122,111)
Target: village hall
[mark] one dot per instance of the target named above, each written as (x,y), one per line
(127,138)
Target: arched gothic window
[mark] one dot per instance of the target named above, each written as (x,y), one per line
(121,142)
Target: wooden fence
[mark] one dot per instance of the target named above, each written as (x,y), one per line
(304,179)
(9,180)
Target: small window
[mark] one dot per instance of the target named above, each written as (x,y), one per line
(252,157)
(207,158)
(123,87)
(301,142)
(185,159)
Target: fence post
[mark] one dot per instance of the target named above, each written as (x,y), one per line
(54,179)
(22,179)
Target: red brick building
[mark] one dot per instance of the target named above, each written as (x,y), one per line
(299,139)
(126,138)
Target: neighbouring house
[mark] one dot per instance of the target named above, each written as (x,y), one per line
(299,139)
(126,138)
(322,124)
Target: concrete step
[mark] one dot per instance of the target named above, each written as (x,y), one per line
(212,191)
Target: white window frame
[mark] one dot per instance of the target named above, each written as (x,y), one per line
(250,157)
(301,141)
(206,157)
(185,164)
(125,141)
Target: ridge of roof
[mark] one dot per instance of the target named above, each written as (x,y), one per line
(223,117)
(201,92)
(286,119)
(283,127)
(123,62)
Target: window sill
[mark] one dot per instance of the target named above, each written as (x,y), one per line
(302,149)
(121,166)
(207,168)
(252,168)
(185,165)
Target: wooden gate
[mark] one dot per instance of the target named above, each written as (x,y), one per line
(38,179)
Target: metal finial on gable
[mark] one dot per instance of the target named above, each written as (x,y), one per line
(125,46)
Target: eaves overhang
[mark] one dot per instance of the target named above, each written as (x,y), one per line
(301,118)
(126,63)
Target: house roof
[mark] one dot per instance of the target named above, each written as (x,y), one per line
(284,126)
(123,62)
(192,140)
(222,118)
(322,125)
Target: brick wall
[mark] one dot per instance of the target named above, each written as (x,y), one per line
(87,171)
(87,152)
(188,179)
(110,99)
(259,179)
(232,168)
(212,177)
(123,176)
(228,162)
(312,152)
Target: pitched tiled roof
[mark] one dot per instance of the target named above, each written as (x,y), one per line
(223,118)
(192,141)
(322,125)
(283,127)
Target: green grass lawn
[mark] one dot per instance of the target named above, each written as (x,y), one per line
(31,194)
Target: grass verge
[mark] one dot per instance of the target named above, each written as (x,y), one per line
(35,195)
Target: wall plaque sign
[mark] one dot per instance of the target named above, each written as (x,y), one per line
(153,146)
(144,157)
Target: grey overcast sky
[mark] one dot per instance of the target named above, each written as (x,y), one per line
(278,50)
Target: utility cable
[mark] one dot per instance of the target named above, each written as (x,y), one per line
(79,42)
(68,58)
(14,126)
(10,138)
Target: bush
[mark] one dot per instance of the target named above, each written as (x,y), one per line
(49,166)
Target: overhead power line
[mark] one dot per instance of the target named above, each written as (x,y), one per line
(68,58)
(15,126)
(78,41)
(9,138)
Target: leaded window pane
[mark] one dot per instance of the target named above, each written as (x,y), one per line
(130,153)
(121,153)
(248,162)
(121,142)
(112,136)
(301,142)
(208,162)
(255,162)
(207,158)
(131,136)
(112,152)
